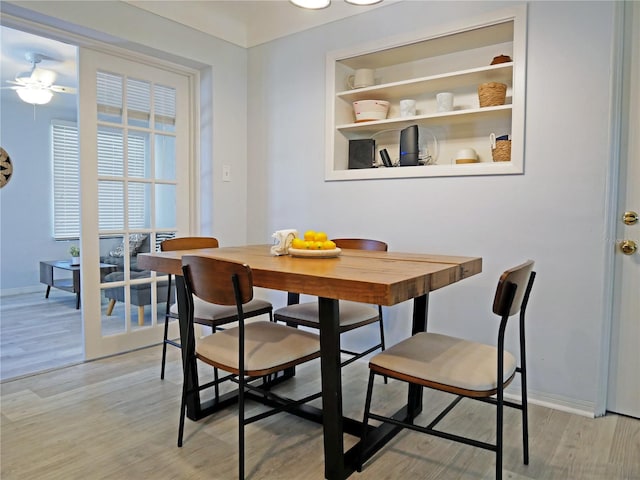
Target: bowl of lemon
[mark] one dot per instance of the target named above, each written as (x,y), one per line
(314,244)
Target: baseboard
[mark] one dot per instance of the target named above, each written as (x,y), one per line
(21,290)
(576,407)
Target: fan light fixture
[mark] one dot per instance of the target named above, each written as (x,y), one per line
(318,4)
(34,95)
(311,4)
(363,2)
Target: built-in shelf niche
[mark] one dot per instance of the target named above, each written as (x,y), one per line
(455,59)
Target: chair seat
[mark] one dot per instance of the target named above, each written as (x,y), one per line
(352,314)
(268,346)
(216,313)
(445,360)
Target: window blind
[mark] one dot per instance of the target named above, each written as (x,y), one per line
(111,198)
(122,186)
(66,181)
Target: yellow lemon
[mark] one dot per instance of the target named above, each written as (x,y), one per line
(320,237)
(317,245)
(310,235)
(309,244)
(328,245)
(297,243)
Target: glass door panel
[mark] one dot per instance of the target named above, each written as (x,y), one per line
(141,176)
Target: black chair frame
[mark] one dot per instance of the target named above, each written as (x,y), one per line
(246,387)
(294,298)
(502,310)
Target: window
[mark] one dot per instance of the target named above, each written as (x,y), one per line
(66,180)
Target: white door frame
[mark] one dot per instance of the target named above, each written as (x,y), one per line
(611,208)
(624,382)
(91,61)
(89,252)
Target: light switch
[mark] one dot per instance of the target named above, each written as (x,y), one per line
(226,173)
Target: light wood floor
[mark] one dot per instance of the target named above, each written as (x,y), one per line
(38,334)
(115,419)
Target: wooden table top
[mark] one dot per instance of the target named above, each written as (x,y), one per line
(382,278)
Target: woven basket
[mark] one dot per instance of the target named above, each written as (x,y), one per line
(492,93)
(502,152)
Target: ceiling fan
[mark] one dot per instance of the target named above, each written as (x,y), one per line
(36,85)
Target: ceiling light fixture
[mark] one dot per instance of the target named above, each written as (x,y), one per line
(319,4)
(34,95)
(311,4)
(363,2)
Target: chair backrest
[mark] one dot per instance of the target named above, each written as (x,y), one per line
(506,303)
(188,243)
(210,279)
(360,244)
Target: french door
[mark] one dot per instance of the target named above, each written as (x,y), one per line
(135,155)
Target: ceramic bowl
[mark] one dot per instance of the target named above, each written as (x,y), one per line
(466,155)
(367,110)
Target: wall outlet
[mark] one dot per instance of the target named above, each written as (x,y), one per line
(226,173)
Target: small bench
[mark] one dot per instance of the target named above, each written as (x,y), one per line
(140,293)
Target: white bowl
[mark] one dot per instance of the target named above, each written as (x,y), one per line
(367,110)
(466,155)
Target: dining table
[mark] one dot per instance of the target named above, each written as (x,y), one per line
(379,278)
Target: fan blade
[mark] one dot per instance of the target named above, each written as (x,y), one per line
(61,89)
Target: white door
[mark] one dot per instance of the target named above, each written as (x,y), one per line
(135,160)
(624,365)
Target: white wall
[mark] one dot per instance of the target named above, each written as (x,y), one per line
(224,69)
(271,132)
(26,220)
(554,213)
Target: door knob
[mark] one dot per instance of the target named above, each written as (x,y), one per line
(628,247)
(630,217)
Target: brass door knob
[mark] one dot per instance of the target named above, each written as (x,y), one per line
(630,217)
(628,247)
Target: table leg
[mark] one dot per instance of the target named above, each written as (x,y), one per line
(46,277)
(379,436)
(334,465)
(292,299)
(76,286)
(420,312)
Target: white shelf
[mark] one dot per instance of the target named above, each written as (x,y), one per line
(419,65)
(451,118)
(448,170)
(502,73)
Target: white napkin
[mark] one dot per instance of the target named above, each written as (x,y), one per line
(283,239)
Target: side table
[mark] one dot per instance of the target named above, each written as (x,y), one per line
(71,285)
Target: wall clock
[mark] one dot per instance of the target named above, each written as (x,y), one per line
(6,168)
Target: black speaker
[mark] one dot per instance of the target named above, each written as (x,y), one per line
(409,146)
(362,153)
